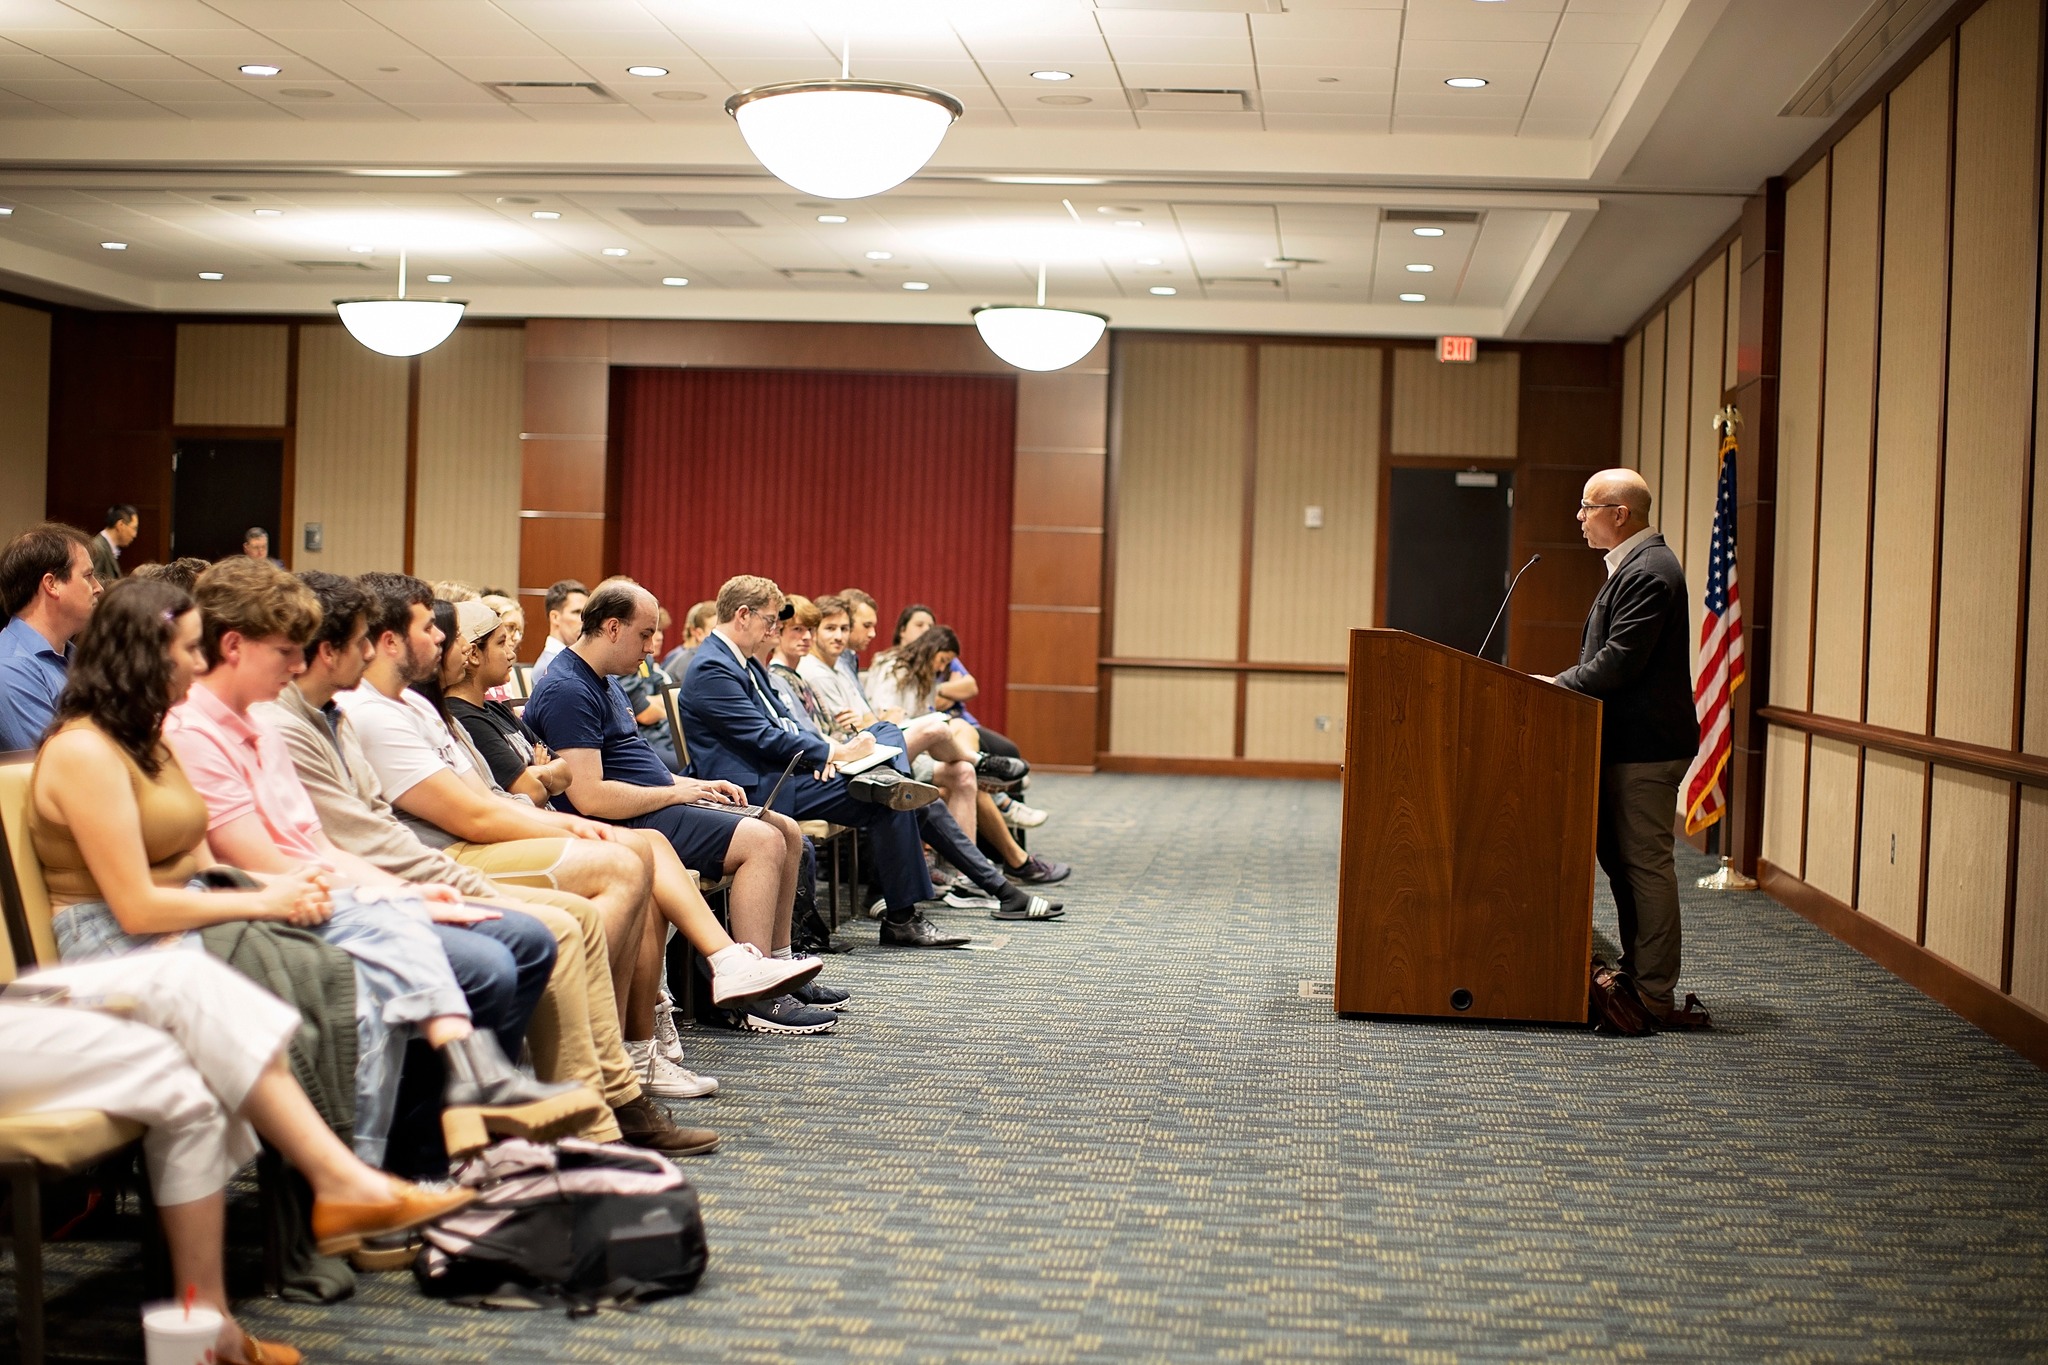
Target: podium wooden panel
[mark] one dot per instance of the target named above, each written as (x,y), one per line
(1465,887)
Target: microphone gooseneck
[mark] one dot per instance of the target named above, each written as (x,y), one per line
(1504,604)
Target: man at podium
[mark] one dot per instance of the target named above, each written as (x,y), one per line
(1635,656)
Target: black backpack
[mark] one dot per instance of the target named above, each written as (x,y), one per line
(571,1225)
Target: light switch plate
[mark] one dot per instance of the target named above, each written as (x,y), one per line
(1312,517)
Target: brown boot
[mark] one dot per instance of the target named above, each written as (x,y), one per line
(339,1227)
(643,1123)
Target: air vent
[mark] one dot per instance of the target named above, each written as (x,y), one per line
(804,278)
(1174,101)
(1243,284)
(550,92)
(1885,28)
(690,218)
(325,267)
(1441,217)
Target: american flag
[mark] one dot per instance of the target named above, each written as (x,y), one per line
(1722,666)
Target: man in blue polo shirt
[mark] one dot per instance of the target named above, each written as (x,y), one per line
(49,590)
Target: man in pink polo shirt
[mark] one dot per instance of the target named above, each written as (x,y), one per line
(256,619)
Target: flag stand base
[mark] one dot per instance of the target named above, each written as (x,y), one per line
(1727,879)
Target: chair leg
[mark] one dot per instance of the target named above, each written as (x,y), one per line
(832,877)
(28,1266)
(270,1171)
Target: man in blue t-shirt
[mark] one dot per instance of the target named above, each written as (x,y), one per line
(49,590)
(580,711)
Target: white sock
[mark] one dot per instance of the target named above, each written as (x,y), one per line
(728,957)
(782,952)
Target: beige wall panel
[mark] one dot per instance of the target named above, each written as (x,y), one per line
(1179,498)
(1731,341)
(1784,798)
(1669,513)
(1703,443)
(1319,445)
(231,375)
(2030,914)
(1172,714)
(1469,411)
(467,519)
(351,453)
(1280,714)
(1831,819)
(1632,402)
(1799,433)
(1888,885)
(1966,871)
(1990,374)
(1651,459)
(24,417)
(1845,432)
(1909,395)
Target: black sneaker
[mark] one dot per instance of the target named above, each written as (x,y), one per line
(998,772)
(786,1014)
(821,997)
(1037,871)
(919,932)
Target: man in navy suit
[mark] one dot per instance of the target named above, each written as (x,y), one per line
(1635,655)
(737,732)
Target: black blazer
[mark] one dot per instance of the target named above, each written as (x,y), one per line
(1635,655)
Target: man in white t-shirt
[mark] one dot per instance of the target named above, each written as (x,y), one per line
(565,601)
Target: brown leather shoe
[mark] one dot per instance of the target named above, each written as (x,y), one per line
(255,1352)
(643,1123)
(1691,1017)
(339,1227)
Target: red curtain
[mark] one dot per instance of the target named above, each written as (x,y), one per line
(820,480)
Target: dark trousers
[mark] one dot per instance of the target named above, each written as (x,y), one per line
(995,742)
(898,851)
(1638,809)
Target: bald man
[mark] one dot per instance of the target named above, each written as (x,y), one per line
(1635,656)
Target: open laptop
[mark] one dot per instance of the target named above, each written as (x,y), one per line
(773,792)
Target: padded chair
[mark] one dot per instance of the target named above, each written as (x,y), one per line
(519,686)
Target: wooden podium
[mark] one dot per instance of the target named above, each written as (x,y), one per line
(1466,883)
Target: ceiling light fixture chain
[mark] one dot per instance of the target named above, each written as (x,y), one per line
(400,326)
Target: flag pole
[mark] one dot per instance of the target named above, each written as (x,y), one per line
(1728,877)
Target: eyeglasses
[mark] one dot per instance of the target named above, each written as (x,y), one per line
(1585,506)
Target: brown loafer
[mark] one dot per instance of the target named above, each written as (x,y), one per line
(339,1227)
(256,1352)
(1691,1017)
(643,1123)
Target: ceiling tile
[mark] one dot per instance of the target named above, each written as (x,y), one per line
(1029,117)
(552,67)
(1433,123)
(1354,28)
(1327,54)
(1138,76)
(1100,75)
(1035,54)
(134,14)
(79,42)
(1583,27)
(620,16)
(1576,128)
(44,16)
(108,109)
(1475,59)
(1486,23)
(1336,80)
(1596,64)
(238,109)
(132,65)
(1325,123)
(1649,7)
(1198,123)
(1461,103)
(243,45)
(62,88)
(1376,105)
(33,66)
(1117,23)
(1181,51)
(1424,81)
(324,14)
(489,111)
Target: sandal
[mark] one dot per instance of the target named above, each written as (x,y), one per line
(1036,907)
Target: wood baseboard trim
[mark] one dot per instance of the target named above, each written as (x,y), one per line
(1990,1009)
(1218,767)
(1063,767)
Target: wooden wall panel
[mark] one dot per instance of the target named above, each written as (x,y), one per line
(2030,914)
(24,416)
(1462,411)
(1650,459)
(1280,716)
(231,374)
(1990,406)
(1702,442)
(1966,871)
(1831,819)
(1179,500)
(1784,841)
(1669,517)
(1888,880)
(1173,714)
(1731,340)
(110,424)
(1058,724)
(1799,433)
(466,518)
(1846,428)
(1053,647)
(1632,402)
(2034,730)
(1318,444)
(351,452)
(1909,396)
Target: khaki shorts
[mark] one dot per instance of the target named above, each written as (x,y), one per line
(517,862)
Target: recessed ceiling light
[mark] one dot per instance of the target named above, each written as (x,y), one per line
(6,211)
(546,214)
(1466,82)
(676,280)
(1148,260)
(211,275)
(362,250)
(270,213)
(517,199)
(916,285)
(260,69)
(615,251)
(646,71)
(1164,289)
(1065,100)
(881,255)
(1429,232)
(440,279)
(1052,75)
(1419,269)
(229,198)
(1415,298)
(831,217)
(1129,223)
(680,96)
(403,172)
(1326,80)
(113,246)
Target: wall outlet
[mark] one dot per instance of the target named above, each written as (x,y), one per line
(316,537)
(1322,722)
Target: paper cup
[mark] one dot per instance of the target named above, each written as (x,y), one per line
(171,1336)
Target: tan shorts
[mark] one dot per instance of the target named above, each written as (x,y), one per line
(518,862)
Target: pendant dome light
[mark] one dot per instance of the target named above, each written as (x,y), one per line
(1039,338)
(400,326)
(844,138)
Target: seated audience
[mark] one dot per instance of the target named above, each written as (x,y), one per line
(575,1032)
(182,572)
(643,689)
(953,692)
(256,546)
(49,591)
(565,601)
(738,733)
(697,623)
(613,775)
(196,1054)
(122,525)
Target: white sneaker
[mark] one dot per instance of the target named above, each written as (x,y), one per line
(666,1040)
(737,981)
(1020,816)
(962,894)
(660,1076)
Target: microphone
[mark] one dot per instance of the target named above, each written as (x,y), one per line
(1504,605)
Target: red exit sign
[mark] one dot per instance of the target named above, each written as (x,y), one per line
(1457,350)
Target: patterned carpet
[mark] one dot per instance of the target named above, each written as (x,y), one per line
(1136,1135)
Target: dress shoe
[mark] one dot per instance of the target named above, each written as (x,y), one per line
(339,1227)
(887,787)
(255,1352)
(487,1096)
(919,932)
(642,1123)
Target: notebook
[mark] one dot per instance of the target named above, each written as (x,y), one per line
(882,754)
